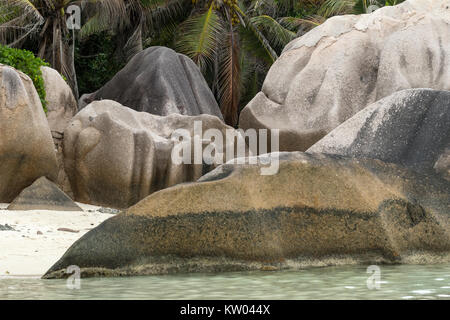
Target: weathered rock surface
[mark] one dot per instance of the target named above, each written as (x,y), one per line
(115,156)
(61,104)
(61,107)
(410,127)
(26,146)
(43,195)
(318,210)
(159,81)
(326,76)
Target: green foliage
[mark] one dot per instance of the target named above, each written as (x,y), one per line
(234,42)
(95,62)
(26,62)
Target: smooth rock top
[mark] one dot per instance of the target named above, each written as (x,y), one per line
(159,81)
(115,156)
(317,211)
(26,147)
(326,76)
(410,127)
(43,195)
(61,104)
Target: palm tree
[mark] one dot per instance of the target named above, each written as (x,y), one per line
(234,43)
(44,22)
(135,19)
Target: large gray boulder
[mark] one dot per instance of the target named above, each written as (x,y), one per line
(410,127)
(159,81)
(317,211)
(26,146)
(326,76)
(115,156)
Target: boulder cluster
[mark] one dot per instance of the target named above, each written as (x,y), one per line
(362,105)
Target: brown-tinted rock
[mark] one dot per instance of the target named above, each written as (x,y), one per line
(115,156)
(26,147)
(43,195)
(318,210)
(326,76)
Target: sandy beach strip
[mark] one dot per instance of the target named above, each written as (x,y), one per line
(34,244)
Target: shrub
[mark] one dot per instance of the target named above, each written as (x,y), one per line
(26,62)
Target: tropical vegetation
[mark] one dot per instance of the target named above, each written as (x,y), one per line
(234,42)
(26,62)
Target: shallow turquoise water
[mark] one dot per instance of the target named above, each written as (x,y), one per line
(350,282)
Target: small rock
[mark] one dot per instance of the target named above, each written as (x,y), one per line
(68,230)
(6,227)
(43,194)
(39,232)
(108,210)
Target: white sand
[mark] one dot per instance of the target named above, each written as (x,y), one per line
(24,252)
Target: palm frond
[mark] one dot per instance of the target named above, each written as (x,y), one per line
(335,7)
(201,36)
(113,11)
(26,6)
(275,33)
(158,18)
(302,24)
(229,79)
(257,34)
(95,24)
(134,44)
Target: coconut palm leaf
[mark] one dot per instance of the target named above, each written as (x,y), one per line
(275,33)
(95,24)
(27,7)
(247,23)
(335,7)
(229,78)
(201,37)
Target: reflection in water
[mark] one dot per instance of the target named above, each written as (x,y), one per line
(350,282)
